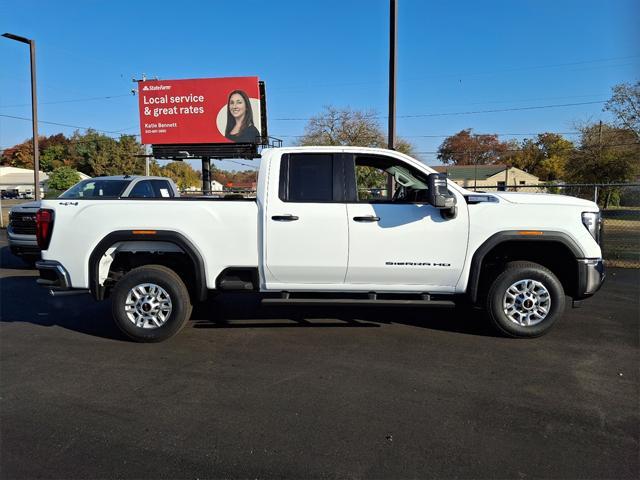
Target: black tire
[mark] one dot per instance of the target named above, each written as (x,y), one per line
(172,284)
(513,273)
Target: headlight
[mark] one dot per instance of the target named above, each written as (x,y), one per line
(593,222)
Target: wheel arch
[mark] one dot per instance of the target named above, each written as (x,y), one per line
(167,236)
(517,241)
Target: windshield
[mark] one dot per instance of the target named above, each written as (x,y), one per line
(95,187)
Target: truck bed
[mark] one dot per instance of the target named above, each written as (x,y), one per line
(224,230)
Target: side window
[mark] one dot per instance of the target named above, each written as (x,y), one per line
(307,178)
(142,189)
(388,180)
(162,188)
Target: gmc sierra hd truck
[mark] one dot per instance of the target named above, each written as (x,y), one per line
(329,225)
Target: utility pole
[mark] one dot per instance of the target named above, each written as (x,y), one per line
(34,109)
(393,37)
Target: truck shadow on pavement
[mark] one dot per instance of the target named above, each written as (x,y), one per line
(244,311)
(9,261)
(22,300)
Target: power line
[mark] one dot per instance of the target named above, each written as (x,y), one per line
(464,74)
(75,100)
(243,164)
(496,110)
(62,124)
(451,134)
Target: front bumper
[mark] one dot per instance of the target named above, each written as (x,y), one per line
(53,275)
(591,275)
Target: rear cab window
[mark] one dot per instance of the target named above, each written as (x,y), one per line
(308,177)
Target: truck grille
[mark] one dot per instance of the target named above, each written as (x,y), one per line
(23,223)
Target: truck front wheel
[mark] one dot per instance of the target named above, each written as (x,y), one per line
(150,303)
(525,300)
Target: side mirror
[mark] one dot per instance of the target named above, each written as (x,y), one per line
(439,195)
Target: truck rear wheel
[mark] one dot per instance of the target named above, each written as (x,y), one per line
(150,303)
(525,300)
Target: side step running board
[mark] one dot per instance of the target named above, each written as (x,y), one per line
(358,301)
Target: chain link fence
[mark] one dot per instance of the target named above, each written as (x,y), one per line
(620,205)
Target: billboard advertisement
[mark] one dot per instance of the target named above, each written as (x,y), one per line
(203,110)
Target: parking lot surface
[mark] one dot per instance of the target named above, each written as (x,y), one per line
(251,392)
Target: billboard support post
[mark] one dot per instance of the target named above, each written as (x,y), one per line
(206,175)
(263,111)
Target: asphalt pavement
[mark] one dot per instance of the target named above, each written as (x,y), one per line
(246,391)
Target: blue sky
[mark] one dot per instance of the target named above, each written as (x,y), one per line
(453,57)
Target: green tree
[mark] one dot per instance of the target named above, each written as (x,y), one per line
(625,105)
(96,154)
(182,174)
(545,156)
(63,178)
(53,157)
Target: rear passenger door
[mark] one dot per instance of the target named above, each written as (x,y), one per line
(306,232)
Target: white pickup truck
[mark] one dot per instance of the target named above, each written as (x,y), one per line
(329,225)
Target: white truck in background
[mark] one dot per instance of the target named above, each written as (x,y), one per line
(319,232)
(21,231)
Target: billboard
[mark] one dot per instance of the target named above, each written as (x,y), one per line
(202,110)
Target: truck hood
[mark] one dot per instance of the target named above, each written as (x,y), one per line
(545,199)
(26,207)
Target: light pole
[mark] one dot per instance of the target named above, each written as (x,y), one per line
(34,108)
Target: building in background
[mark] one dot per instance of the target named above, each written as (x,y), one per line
(18,182)
(502,176)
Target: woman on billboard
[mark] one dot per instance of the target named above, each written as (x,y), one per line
(240,126)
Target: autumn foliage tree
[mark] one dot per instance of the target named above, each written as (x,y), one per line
(544,156)
(467,148)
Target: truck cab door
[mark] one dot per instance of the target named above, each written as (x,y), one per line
(396,237)
(305,237)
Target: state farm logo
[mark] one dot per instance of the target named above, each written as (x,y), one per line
(148,88)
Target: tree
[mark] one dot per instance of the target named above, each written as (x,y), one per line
(467,148)
(545,156)
(344,126)
(182,174)
(63,178)
(96,154)
(52,149)
(20,155)
(625,105)
(606,154)
(335,126)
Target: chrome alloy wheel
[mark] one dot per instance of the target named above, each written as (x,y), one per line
(148,305)
(526,302)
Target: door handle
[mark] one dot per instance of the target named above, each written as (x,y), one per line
(284,218)
(369,218)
